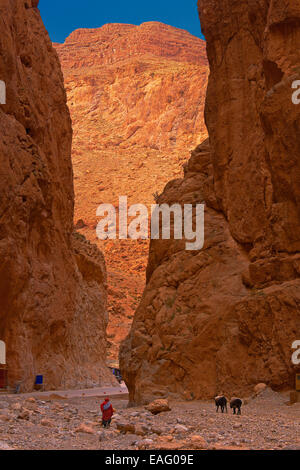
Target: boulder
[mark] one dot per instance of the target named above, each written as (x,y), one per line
(158,430)
(24,414)
(158,406)
(30,400)
(259,388)
(142,429)
(126,427)
(85,429)
(179,428)
(5,417)
(145,444)
(47,422)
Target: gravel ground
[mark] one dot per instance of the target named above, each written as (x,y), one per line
(267,422)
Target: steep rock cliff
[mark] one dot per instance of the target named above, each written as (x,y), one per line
(224,318)
(52,282)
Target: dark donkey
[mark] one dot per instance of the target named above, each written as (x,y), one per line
(236,404)
(221,401)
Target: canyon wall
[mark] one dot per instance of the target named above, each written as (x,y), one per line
(136,96)
(224,318)
(52,281)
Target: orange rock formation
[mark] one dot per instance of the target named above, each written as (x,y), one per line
(52,282)
(136,96)
(224,318)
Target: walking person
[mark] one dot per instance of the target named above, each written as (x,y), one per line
(107,413)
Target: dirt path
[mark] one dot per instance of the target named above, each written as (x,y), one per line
(267,422)
(65,394)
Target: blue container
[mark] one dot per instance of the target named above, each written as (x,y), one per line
(39,380)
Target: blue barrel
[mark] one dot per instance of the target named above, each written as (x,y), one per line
(39,380)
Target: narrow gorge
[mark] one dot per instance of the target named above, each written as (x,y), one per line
(221,319)
(224,318)
(136,96)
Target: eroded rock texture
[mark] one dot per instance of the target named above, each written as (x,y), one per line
(224,318)
(136,96)
(52,283)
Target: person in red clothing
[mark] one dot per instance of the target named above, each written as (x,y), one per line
(107,412)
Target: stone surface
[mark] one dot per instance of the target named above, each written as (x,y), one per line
(136,96)
(294,397)
(52,283)
(259,388)
(126,427)
(141,430)
(194,442)
(267,423)
(252,125)
(158,406)
(3,404)
(24,414)
(180,428)
(84,428)
(225,318)
(4,446)
(4,417)
(47,422)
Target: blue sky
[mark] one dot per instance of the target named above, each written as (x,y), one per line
(61,17)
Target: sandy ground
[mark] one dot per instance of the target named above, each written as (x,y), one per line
(76,393)
(267,422)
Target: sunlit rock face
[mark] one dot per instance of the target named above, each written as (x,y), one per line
(136,96)
(52,282)
(225,318)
